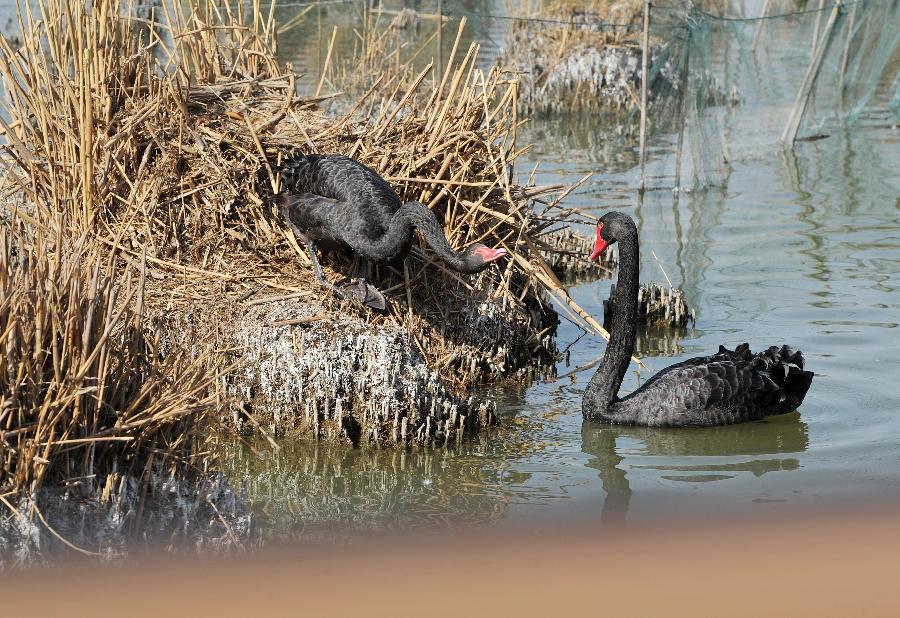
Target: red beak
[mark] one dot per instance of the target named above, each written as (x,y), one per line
(599,245)
(489,255)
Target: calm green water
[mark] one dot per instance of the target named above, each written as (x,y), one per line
(802,249)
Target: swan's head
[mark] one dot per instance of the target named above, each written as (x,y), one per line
(478,256)
(611,227)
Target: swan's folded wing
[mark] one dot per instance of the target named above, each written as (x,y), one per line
(687,364)
(306,211)
(719,392)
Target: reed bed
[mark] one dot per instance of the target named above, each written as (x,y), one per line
(577,55)
(160,139)
(545,248)
(658,304)
(85,394)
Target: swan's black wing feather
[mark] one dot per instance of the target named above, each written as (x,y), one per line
(727,387)
(724,354)
(309,214)
(362,205)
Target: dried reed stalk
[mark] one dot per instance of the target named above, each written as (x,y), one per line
(83,391)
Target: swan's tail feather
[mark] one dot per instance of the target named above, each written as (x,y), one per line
(798,381)
(785,367)
(794,357)
(741,352)
(780,380)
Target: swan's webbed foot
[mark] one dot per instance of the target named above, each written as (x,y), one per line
(362,291)
(357,289)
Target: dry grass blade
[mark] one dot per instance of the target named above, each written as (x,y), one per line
(84,391)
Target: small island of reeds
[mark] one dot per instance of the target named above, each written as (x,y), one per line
(153,302)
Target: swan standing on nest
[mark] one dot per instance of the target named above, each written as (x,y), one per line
(727,387)
(337,200)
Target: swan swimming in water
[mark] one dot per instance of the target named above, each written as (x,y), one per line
(334,199)
(727,387)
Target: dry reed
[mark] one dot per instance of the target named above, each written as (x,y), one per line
(84,393)
(576,55)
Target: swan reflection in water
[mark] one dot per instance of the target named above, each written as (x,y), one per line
(744,445)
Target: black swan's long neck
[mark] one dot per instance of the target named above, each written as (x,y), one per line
(415,215)
(603,388)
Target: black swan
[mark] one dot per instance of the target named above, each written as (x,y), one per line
(727,387)
(335,199)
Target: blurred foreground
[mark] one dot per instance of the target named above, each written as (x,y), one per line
(814,565)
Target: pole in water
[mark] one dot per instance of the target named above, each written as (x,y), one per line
(681,109)
(645,45)
(844,58)
(759,26)
(815,41)
(809,80)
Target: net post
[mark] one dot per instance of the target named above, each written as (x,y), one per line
(815,41)
(844,58)
(645,47)
(681,109)
(809,79)
(759,26)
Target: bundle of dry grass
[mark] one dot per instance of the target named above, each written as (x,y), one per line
(165,137)
(85,395)
(577,56)
(658,304)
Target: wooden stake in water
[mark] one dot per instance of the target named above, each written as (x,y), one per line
(809,80)
(682,121)
(844,58)
(645,45)
(760,25)
(815,41)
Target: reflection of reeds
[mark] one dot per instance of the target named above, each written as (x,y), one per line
(83,391)
(660,339)
(313,492)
